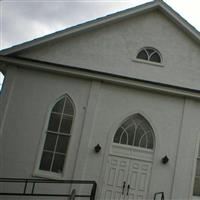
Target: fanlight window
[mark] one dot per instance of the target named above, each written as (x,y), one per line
(58,135)
(135,131)
(149,54)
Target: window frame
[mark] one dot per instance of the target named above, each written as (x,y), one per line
(142,119)
(37,172)
(148,61)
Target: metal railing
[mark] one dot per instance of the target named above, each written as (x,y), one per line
(32,183)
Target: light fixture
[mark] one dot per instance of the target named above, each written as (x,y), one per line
(97,148)
(165,160)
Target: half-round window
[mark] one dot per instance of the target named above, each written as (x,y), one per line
(149,54)
(58,136)
(135,131)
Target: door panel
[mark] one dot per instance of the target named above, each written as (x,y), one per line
(130,173)
(138,179)
(115,176)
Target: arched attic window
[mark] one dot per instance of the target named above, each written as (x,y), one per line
(149,54)
(135,131)
(58,135)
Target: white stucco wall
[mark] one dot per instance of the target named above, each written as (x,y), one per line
(123,102)
(32,98)
(113,47)
(100,109)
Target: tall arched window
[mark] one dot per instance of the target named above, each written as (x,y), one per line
(135,131)
(149,54)
(58,135)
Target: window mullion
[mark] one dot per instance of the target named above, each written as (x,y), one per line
(152,53)
(62,113)
(56,123)
(134,138)
(147,54)
(54,152)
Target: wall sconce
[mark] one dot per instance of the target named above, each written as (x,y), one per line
(159,196)
(165,160)
(97,148)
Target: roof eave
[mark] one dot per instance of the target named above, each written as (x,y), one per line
(179,21)
(80,28)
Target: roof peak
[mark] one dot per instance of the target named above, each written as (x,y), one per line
(154,4)
(159,1)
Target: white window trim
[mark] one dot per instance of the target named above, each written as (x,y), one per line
(147,62)
(151,132)
(149,56)
(49,174)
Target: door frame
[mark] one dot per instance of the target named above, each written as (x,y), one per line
(109,141)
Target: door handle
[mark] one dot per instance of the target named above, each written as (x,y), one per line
(128,187)
(123,187)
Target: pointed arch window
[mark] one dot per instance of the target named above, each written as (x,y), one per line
(135,131)
(58,135)
(149,54)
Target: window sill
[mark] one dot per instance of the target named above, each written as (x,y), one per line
(48,175)
(147,62)
(195,197)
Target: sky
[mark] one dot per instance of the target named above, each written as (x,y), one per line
(24,20)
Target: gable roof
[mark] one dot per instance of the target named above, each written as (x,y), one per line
(154,5)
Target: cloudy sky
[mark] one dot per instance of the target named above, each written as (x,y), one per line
(23,20)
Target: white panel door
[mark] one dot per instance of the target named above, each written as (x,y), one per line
(115,178)
(126,179)
(138,179)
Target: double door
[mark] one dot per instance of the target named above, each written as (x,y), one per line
(126,179)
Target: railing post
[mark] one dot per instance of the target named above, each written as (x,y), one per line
(163,196)
(93,192)
(73,194)
(33,187)
(26,181)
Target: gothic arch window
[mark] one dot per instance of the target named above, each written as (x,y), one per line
(58,134)
(149,54)
(135,131)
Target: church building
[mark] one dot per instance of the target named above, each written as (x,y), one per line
(115,100)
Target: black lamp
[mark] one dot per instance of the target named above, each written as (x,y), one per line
(165,160)
(97,148)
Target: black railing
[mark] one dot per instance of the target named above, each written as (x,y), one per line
(28,187)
